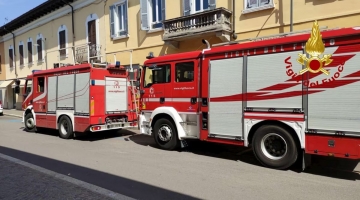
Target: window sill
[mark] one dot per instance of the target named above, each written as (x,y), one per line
(30,64)
(22,65)
(40,61)
(250,10)
(155,30)
(120,37)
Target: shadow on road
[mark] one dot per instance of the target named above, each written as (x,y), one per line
(87,136)
(130,188)
(322,166)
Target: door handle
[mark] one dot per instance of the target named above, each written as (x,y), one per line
(162,99)
(193,100)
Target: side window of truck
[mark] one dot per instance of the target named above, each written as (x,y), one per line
(184,72)
(40,84)
(161,74)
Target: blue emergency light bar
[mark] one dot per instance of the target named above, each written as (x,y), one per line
(33,71)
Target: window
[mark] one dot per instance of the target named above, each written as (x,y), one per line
(184,72)
(11,56)
(40,47)
(30,50)
(119,19)
(152,14)
(62,39)
(256,5)
(41,84)
(21,52)
(159,74)
(195,6)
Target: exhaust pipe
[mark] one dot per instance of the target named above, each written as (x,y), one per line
(206,42)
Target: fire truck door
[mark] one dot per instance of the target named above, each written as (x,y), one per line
(185,86)
(157,86)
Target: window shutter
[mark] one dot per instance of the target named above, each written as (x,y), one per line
(144,15)
(163,10)
(187,7)
(11,56)
(126,26)
(212,4)
(30,59)
(112,21)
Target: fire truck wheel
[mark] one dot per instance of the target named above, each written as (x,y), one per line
(165,134)
(65,128)
(29,122)
(274,147)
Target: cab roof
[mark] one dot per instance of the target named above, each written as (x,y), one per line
(174,57)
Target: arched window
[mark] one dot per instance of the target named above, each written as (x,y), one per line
(63,40)
(30,51)
(11,56)
(40,46)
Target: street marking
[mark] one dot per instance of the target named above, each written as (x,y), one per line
(74,181)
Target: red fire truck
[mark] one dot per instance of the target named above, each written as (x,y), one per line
(80,98)
(286,97)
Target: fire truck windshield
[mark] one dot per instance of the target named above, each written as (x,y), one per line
(156,74)
(28,85)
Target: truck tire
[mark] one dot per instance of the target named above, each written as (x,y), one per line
(274,147)
(165,134)
(29,122)
(65,128)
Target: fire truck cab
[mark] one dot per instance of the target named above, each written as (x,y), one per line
(80,98)
(286,97)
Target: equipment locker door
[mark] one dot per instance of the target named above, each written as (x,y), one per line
(157,86)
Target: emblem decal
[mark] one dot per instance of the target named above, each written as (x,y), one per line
(315,47)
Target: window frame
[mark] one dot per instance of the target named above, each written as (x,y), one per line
(146,14)
(146,69)
(38,89)
(11,56)
(60,29)
(115,31)
(21,54)
(176,71)
(30,56)
(189,7)
(41,38)
(259,7)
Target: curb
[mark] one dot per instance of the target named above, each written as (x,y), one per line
(13,115)
(74,181)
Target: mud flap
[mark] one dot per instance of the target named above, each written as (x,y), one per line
(306,160)
(184,144)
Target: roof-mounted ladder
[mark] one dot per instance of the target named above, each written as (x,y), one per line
(271,36)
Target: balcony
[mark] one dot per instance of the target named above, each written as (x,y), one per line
(88,53)
(203,24)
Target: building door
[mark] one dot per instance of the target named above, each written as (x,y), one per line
(93,49)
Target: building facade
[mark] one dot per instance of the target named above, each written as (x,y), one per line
(2,72)
(68,34)
(160,27)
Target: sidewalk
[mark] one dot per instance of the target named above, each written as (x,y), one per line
(22,180)
(13,112)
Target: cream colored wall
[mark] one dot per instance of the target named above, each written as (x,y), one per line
(331,13)
(2,63)
(50,33)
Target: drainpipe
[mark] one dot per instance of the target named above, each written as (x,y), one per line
(72,25)
(233,20)
(291,15)
(13,50)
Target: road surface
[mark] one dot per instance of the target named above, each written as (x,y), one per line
(129,164)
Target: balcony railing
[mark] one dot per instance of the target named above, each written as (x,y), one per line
(216,22)
(88,53)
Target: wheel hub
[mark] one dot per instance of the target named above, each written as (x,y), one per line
(30,123)
(165,133)
(273,146)
(64,128)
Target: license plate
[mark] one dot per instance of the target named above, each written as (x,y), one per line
(114,126)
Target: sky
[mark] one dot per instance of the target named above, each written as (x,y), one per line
(12,9)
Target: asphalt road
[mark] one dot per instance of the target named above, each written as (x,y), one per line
(129,164)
